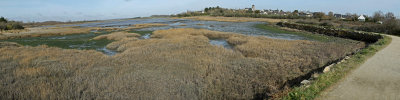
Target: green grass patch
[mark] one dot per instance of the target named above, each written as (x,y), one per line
(275,29)
(74,41)
(340,70)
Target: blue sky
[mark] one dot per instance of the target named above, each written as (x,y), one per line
(65,10)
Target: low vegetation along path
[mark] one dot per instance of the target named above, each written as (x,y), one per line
(377,79)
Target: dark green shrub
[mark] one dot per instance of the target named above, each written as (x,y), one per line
(307,22)
(2,26)
(360,36)
(388,27)
(327,24)
(9,25)
(2,19)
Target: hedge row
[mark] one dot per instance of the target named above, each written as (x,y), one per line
(354,35)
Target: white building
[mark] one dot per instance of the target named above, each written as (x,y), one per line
(306,14)
(253,8)
(361,18)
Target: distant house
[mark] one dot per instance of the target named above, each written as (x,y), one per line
(346,16)
(305,14)
(361,18)
(272,12)
(266,12)
(379,22)
(338,16)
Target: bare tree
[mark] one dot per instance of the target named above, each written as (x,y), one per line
(348,16)
(354,17)
(319,15)
(389,16)
(378,16)
(330,14)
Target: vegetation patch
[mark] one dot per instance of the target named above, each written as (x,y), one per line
(276,29)
(44,32)
(338,72)
(349,34)
(174,64)
(116,36)
(141,32)
(73,41)
(9,25)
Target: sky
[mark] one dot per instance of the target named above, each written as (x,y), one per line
(78,10)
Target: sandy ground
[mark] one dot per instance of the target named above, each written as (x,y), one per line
(377,79)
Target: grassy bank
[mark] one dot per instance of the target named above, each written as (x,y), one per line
(330,31)
(276,29)
(339,71)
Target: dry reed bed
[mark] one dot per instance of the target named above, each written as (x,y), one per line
(41,32)
(55,31)
(116,36)
(233,19)
(173,64)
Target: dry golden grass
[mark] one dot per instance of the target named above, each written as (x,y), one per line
(115,45)
(173,64)
(117,36)
(54,31)
(28,71)
(40,32)
(9,44)
(135,26)
(233,19)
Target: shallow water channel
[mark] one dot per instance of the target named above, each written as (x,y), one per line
(221,42)
(84,42)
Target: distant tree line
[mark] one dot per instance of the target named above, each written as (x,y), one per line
(9,25)
(218,11)
(383,23)
(379,22)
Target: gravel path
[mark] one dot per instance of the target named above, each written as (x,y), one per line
(377,79)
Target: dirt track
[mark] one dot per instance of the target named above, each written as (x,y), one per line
(377,79)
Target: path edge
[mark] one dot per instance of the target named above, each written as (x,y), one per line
(339,71)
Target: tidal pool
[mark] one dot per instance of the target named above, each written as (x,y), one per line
(221,42)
